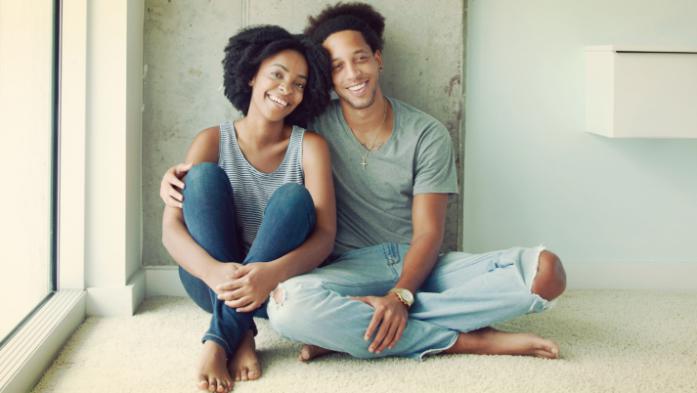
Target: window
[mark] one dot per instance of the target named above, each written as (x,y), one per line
(28,91)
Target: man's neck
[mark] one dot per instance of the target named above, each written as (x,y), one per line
(365,119)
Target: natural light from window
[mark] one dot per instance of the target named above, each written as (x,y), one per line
(26,110)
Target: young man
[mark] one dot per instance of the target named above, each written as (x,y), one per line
(386,290)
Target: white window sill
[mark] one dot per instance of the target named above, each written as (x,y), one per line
(25,357)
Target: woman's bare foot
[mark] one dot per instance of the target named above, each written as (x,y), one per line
(212,374)
(244,365)
(490,341)
(309,352)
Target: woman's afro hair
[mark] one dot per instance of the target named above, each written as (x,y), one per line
(247,49)
(359,17)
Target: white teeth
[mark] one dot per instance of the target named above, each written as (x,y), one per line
(277,100)
(358,87)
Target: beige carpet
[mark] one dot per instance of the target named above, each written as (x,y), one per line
(611,341)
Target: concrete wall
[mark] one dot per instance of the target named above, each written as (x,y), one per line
(533,175)
(183,48)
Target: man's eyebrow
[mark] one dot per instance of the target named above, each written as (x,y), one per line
(286,69)
(357,51)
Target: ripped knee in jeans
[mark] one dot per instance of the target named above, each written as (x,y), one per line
(278,295)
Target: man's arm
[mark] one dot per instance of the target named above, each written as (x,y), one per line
(428,221)
(391,315)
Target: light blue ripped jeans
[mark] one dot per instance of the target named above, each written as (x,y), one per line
(464,292)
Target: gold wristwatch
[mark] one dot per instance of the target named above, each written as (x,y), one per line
(404,295)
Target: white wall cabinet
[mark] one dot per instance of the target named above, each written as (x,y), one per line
(641,92)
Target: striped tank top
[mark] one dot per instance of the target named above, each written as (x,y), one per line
(252,188)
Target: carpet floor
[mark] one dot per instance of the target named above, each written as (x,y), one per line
(611,341)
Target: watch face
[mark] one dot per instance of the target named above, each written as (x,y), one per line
(407,296)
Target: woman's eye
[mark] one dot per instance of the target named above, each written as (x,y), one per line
(300,85)
(277,75)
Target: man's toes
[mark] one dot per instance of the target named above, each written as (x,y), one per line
(203,383)
(244,374)
(212,386)
(253,374)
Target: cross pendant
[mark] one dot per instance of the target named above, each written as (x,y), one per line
(364,162)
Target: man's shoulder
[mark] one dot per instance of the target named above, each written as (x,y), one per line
(326,118)
(421,124)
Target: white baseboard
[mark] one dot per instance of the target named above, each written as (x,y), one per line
(117,301)
(33,347)
(653,276)
(164,280)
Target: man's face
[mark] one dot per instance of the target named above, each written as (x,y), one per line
(355,68)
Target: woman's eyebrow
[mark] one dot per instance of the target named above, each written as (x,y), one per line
(286,69)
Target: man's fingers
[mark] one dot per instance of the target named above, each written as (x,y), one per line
(181,169)
(398,335)
(175,181)
(380,335)
(377,317)
(176,195)
(389,338)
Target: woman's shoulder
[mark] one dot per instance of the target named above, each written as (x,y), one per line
(205,145)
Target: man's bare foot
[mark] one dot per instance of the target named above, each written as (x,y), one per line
(244,365)
(490,341)
(212,374)
(309,352)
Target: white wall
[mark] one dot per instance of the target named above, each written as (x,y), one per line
(532,175)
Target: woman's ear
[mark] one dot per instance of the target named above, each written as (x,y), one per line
(251,82)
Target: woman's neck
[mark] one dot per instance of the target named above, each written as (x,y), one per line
(258,131)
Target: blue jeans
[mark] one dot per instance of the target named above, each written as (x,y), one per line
(209,215)
(464,292)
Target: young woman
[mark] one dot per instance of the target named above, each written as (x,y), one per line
(255,190)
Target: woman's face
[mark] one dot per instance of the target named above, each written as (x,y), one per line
(278,86)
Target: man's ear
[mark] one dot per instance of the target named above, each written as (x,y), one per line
(378,58)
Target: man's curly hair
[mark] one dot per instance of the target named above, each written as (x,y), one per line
(359,17)
(247,49)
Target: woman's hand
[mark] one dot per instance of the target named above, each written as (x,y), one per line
(171,185)
(222,273)
(249,286)
(390,315)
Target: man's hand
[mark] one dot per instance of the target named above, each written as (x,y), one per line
(390,315)
(171,185)
(249,286)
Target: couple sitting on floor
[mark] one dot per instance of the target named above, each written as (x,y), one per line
(254,222)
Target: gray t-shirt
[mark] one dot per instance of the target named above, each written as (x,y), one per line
(374,203)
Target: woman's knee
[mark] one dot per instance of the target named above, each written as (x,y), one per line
(550,280)
(294,201)
(292,194)
(203,179)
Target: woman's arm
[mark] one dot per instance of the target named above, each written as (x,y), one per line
(252,283)
(176,238)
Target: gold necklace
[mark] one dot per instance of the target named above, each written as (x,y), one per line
(369,149)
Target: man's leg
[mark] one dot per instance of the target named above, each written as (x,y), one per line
(316,308)
(469,292)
